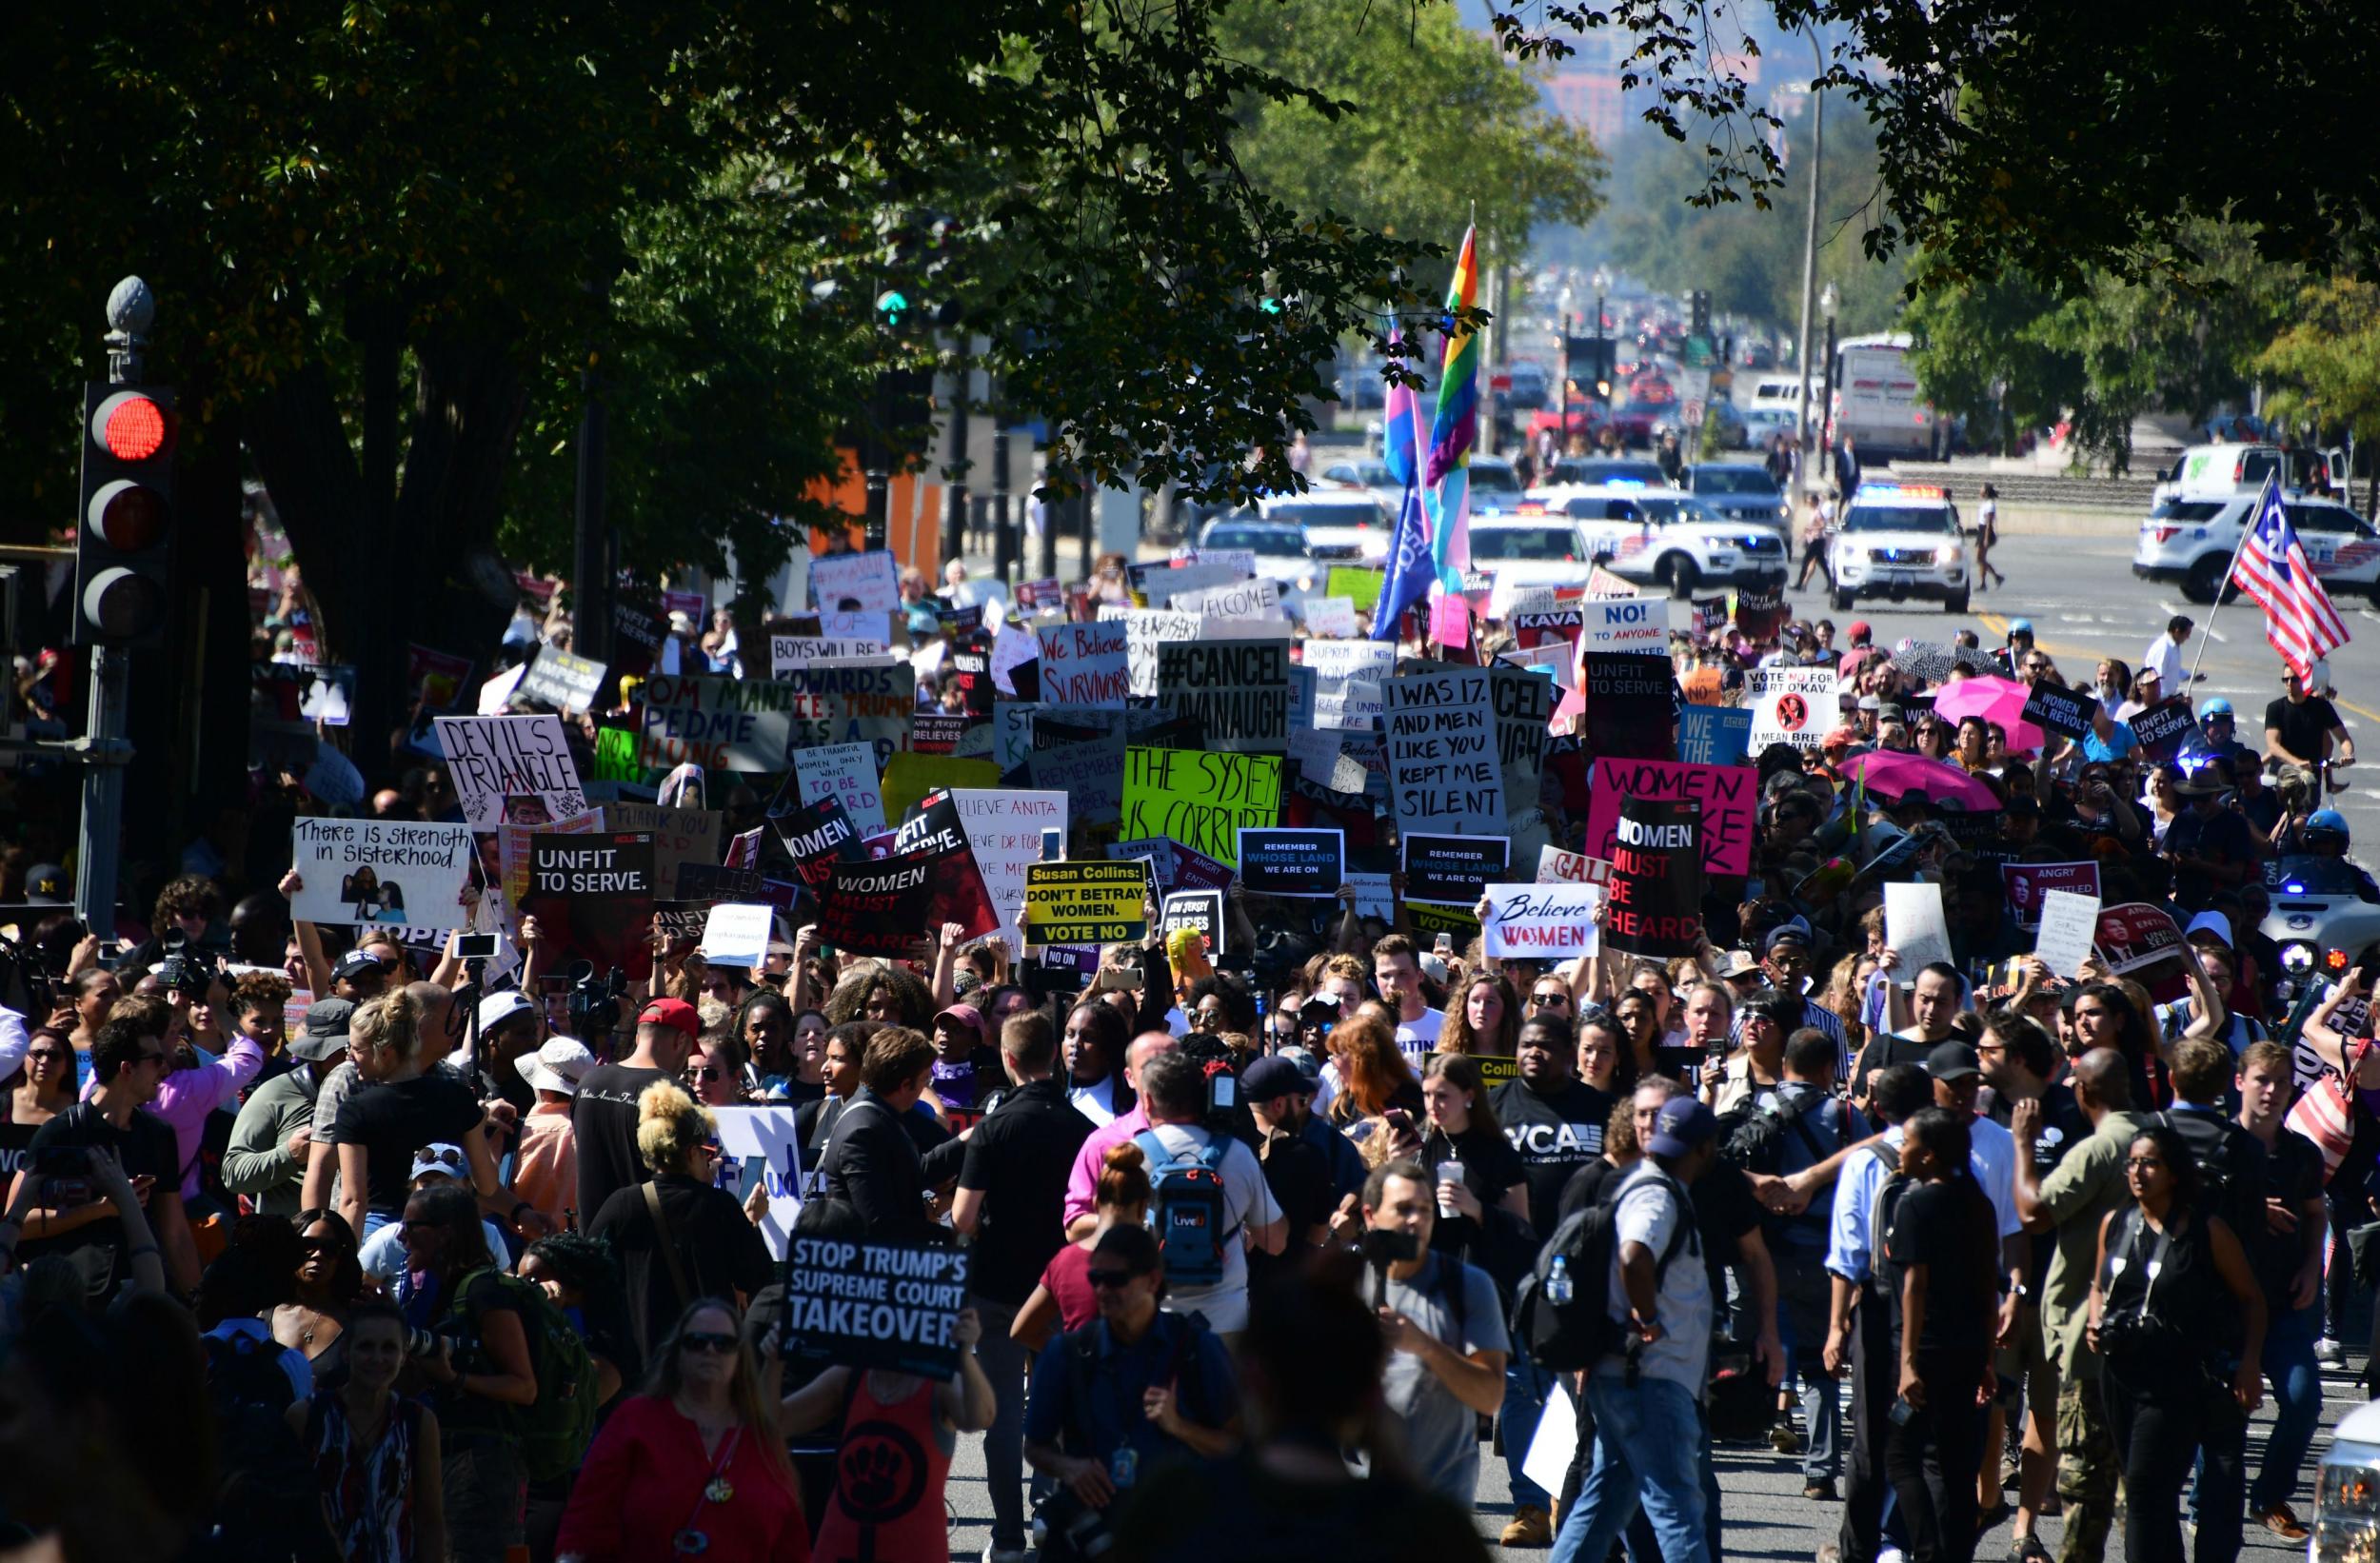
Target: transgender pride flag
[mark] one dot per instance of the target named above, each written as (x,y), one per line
(1446,480)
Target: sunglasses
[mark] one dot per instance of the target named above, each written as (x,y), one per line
(442,1155)
(49,1055)
(1108,1280)
(1545,1000)
(2142,1164)
(313,1247)
(709,1071)
(707,1340)
(158,1059)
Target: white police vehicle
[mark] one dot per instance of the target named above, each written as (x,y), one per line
(1898,541)
(2347,1492)
(1663,536)
(2189,540)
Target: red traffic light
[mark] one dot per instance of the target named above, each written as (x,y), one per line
(130,427)
(128,517)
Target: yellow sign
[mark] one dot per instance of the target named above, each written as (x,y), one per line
(1086,903)
(1198,799)
(908,777)
(1361,584)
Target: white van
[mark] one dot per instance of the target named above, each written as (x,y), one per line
(2219,471)
(1783,393)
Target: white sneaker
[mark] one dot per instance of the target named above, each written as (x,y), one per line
(1891,1555)
(1003,1555)
(2330,1352)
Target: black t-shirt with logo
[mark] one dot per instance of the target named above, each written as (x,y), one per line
(1554,1135)
(603,1120)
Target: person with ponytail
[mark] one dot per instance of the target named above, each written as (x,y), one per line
(401,1105)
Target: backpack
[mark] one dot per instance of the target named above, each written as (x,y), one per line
(555,1429)
(1188,1210)
(1884,1279)
(1573,1337)
(268,1504)
(1752,1135)
(2230,1179)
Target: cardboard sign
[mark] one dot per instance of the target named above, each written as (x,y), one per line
(1290,862)
(1086,903)
(1428,920)
(1084,665)
(876,1305)
(1628,705)
(1444,772)
(756,724)
(847,773)
(2069,925)
(512,768)
(565,681)
(1541,923)
(1004,827)
(2055,711)
(1705,686)
(863,583)
(1728,794)
(2026,883)
(1358,585)
(1713,735)
(767,1150)
(1453,868)
(1259,599)
(1760,614)
(394,872)
(1147,629)
(1792,705)
(737,935)
(1524,703)
(1916,927)
(1626,623)
(2135,936)
(1198,799)
(1238,690)
(303,692)
(679,835)
(1555,866)
(1330,617)
(789,652)
(1199,909)
(1655,887)
(593,897)
(2162,728)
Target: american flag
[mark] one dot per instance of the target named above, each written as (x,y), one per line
(2272,568)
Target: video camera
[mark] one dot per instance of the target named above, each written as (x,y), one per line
(594,1005)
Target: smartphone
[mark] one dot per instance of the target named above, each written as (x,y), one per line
(1902,1410)
(1113,981)
(1226,1093)
(1445,944)
(475,946)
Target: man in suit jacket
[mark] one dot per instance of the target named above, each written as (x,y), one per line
(871,1162)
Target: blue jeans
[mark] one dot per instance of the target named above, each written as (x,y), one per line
(1526,1385)
(1649,1444)
(2296,1379)
(1801,1311)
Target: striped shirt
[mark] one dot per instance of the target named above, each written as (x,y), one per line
(1813,1014)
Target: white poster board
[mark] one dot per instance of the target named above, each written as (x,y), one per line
(762,1139)
(390,873)
(2069,924)
(1915,926)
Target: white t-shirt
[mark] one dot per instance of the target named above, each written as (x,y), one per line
(1991,1156)
(1247,1202)
(2165,659)
(1419,1037)
(1648,1212)
(1096,1101)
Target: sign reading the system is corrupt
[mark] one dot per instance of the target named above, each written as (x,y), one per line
(1201,801)
(876,1305)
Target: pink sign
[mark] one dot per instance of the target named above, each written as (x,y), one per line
(1729,796)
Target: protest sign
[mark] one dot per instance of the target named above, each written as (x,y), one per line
(1157,850)
(1713,735)
(1329,616)
(1194,870)
(1084,665)
(879,907)
(1005,828)
(679,835)
(1199,909)
(766,1149)
(934,827)
(707,884)
(863,583)
(1792,705)
(1335,663)
(1540,922)
(1728,794)
(909,777)
(1524,703)
(1760,614)
(1555,866)
(789,652)
(1090,772)
(513,848)
(1552,626)
(1164,583)
(2026,883)
(2135,936)
(1625,624)
(1453,868)
(1461,924)
(2162,728)
(680,921)
(2069,925)
(516,769)
(2056,710)
(303,692)
(1200,799)
(1259,599)
(1084,902)
(1292,862)
(1147,629)
(1603,583)
(381,871)
(592,896)
(878,1305)
(435,678)
(565,681)
(1238,690)
(1358,585)
(1375,896)
(816,836)
(1916,927)
(1628,705)
(1710,616)
(735,934)
(847,772)
(1444,772)
(1704,686)
(1656,886)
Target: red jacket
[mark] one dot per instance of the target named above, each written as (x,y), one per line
(642,1483)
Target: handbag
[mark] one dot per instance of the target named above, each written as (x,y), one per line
(2326,1114)
(668,1245)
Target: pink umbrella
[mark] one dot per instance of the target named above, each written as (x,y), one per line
(1996,700)
(1891,773)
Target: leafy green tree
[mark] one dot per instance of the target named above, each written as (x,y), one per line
(2327,363)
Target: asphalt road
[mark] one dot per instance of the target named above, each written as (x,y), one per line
(2084,603)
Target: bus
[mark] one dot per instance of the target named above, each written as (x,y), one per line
(1877,402)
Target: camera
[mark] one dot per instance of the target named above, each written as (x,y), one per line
(594,1004)
(475,947)
(62,1173)
(1066,1529)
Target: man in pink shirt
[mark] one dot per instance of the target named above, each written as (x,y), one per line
(1082,1184)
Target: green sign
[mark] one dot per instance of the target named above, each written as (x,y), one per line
(615,756)
(1360,585)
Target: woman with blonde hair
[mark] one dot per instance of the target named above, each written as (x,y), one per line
(676,1237)
(1482,1017)
(693,1467)
(401,1105)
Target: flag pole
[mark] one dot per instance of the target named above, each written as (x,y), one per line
(2206,633)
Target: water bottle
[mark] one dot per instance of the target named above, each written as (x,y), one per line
(1558,1288)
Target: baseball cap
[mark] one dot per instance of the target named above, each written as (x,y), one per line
(966,1015)
(46,885)
(556,1066)
(1684,1124)
(1736,963)
(497,1008)
(1870,703)
(324,1032)
(355,963)
(440,1161)
(675,1013)
(2210,922)
(1858,630)
(1953,1061)
(1792,931)
(1271,1079)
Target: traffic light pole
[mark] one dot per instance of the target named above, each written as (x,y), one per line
(104,754)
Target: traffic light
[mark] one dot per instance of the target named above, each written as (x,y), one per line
(1701,302)
(892,309)
(122,541)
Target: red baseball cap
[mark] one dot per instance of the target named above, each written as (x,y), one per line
(671,1011)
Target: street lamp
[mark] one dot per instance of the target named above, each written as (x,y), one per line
(1829,302)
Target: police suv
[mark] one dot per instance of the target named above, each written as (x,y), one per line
(1666,536)
(1898,541)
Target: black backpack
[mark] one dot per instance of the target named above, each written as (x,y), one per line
(2231,1170)
(1884,1276)
(1575,1336)
(1752,1135)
